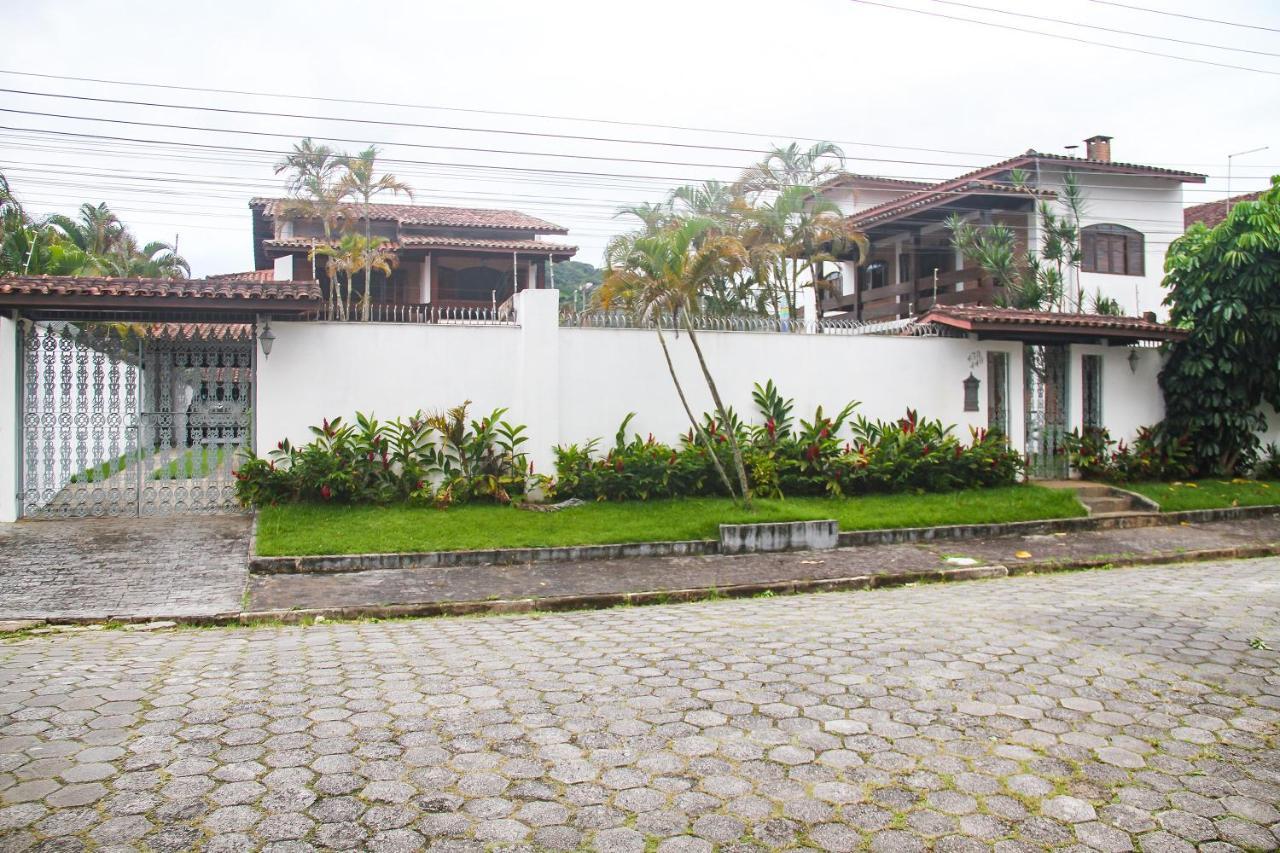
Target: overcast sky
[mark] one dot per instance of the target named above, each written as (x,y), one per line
(906,94)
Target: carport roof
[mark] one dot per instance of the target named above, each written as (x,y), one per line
(159,295)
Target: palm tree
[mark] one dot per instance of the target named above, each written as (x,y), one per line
(315,187)
(792,166)
(361,181)
(98,231)
(662,273)
(352,253)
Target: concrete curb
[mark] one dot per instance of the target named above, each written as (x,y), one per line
(597,601)
(346,563)
(600,601)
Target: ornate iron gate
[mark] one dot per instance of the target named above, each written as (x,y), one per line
(133,419)
(1044,367)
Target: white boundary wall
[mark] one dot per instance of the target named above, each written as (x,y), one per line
(569,385)
(9,423)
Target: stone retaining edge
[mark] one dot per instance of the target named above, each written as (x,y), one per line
(600,601)
(346,563)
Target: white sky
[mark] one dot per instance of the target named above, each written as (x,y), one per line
(839,70)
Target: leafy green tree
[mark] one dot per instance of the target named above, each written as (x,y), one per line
(1222,285)
(573,278)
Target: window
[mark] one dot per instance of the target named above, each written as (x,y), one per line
(1112,249)
(1091,391)
(874,275)
(998,392)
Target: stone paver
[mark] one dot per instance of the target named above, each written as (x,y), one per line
(1017,714)
(180,566)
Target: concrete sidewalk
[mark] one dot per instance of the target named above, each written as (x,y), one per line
(644,580)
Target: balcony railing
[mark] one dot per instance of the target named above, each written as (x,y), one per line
(909,298)
(457,314)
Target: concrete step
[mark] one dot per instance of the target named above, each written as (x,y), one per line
(1110,503)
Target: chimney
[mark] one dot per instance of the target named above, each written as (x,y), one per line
(1098,148)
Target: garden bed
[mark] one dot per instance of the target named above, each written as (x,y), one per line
(1208,494)
(305,529)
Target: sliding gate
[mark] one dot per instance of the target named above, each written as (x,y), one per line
(132,419)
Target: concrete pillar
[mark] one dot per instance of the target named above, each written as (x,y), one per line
(809,307)
(10,413)
(538,314)
(424,281)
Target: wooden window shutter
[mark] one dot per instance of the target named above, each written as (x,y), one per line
(1089,249)
(1134,250)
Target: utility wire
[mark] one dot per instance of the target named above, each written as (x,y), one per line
(503,113)
(1188,17)
(1103,29)
(1065,37)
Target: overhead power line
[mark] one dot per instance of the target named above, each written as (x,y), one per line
(1188,17)
(1062,37)
(1104,29)
(474,111)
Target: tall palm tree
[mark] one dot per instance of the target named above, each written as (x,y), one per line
(97,231)
(353,252)
(662,273)
(792,166)
(316,191)
(361,181)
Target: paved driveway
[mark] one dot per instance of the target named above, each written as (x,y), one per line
(1118,708)
(142,567)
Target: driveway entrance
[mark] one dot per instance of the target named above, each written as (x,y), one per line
(177,566)
(133,419)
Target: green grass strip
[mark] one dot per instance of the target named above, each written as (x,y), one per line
(302,529)
(1209,494)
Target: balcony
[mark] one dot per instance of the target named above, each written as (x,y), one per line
(909,298)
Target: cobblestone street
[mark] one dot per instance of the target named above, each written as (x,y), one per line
(1111,710)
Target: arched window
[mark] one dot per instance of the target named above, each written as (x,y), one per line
(874,275)
(1112,249)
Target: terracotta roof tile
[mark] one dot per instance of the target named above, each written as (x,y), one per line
(430,242)
(933,197)
(1212,213)
(974,316)
(428,215)
(251,275)
(958,184)
(184,288)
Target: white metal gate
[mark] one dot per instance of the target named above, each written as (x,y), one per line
(124,419)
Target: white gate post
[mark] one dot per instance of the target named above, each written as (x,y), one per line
(538,313)
(10,412)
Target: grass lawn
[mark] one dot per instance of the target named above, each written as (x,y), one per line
(194,464)
(299,529)
(1209,494)
(103,470)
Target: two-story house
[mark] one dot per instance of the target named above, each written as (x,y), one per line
(1130,214)
(444,256)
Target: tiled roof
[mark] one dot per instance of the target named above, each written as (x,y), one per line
(1212,213)
(251,275)
(854,178)
(980,318)
(506,245)
(427,215)
(935,196)
(958,185)
(430,242)
(169,288)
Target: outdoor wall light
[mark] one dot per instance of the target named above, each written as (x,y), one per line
(267,338)
(971,393)
(1134,358)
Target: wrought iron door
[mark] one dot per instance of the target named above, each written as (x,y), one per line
(124,419)
(1044,368)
